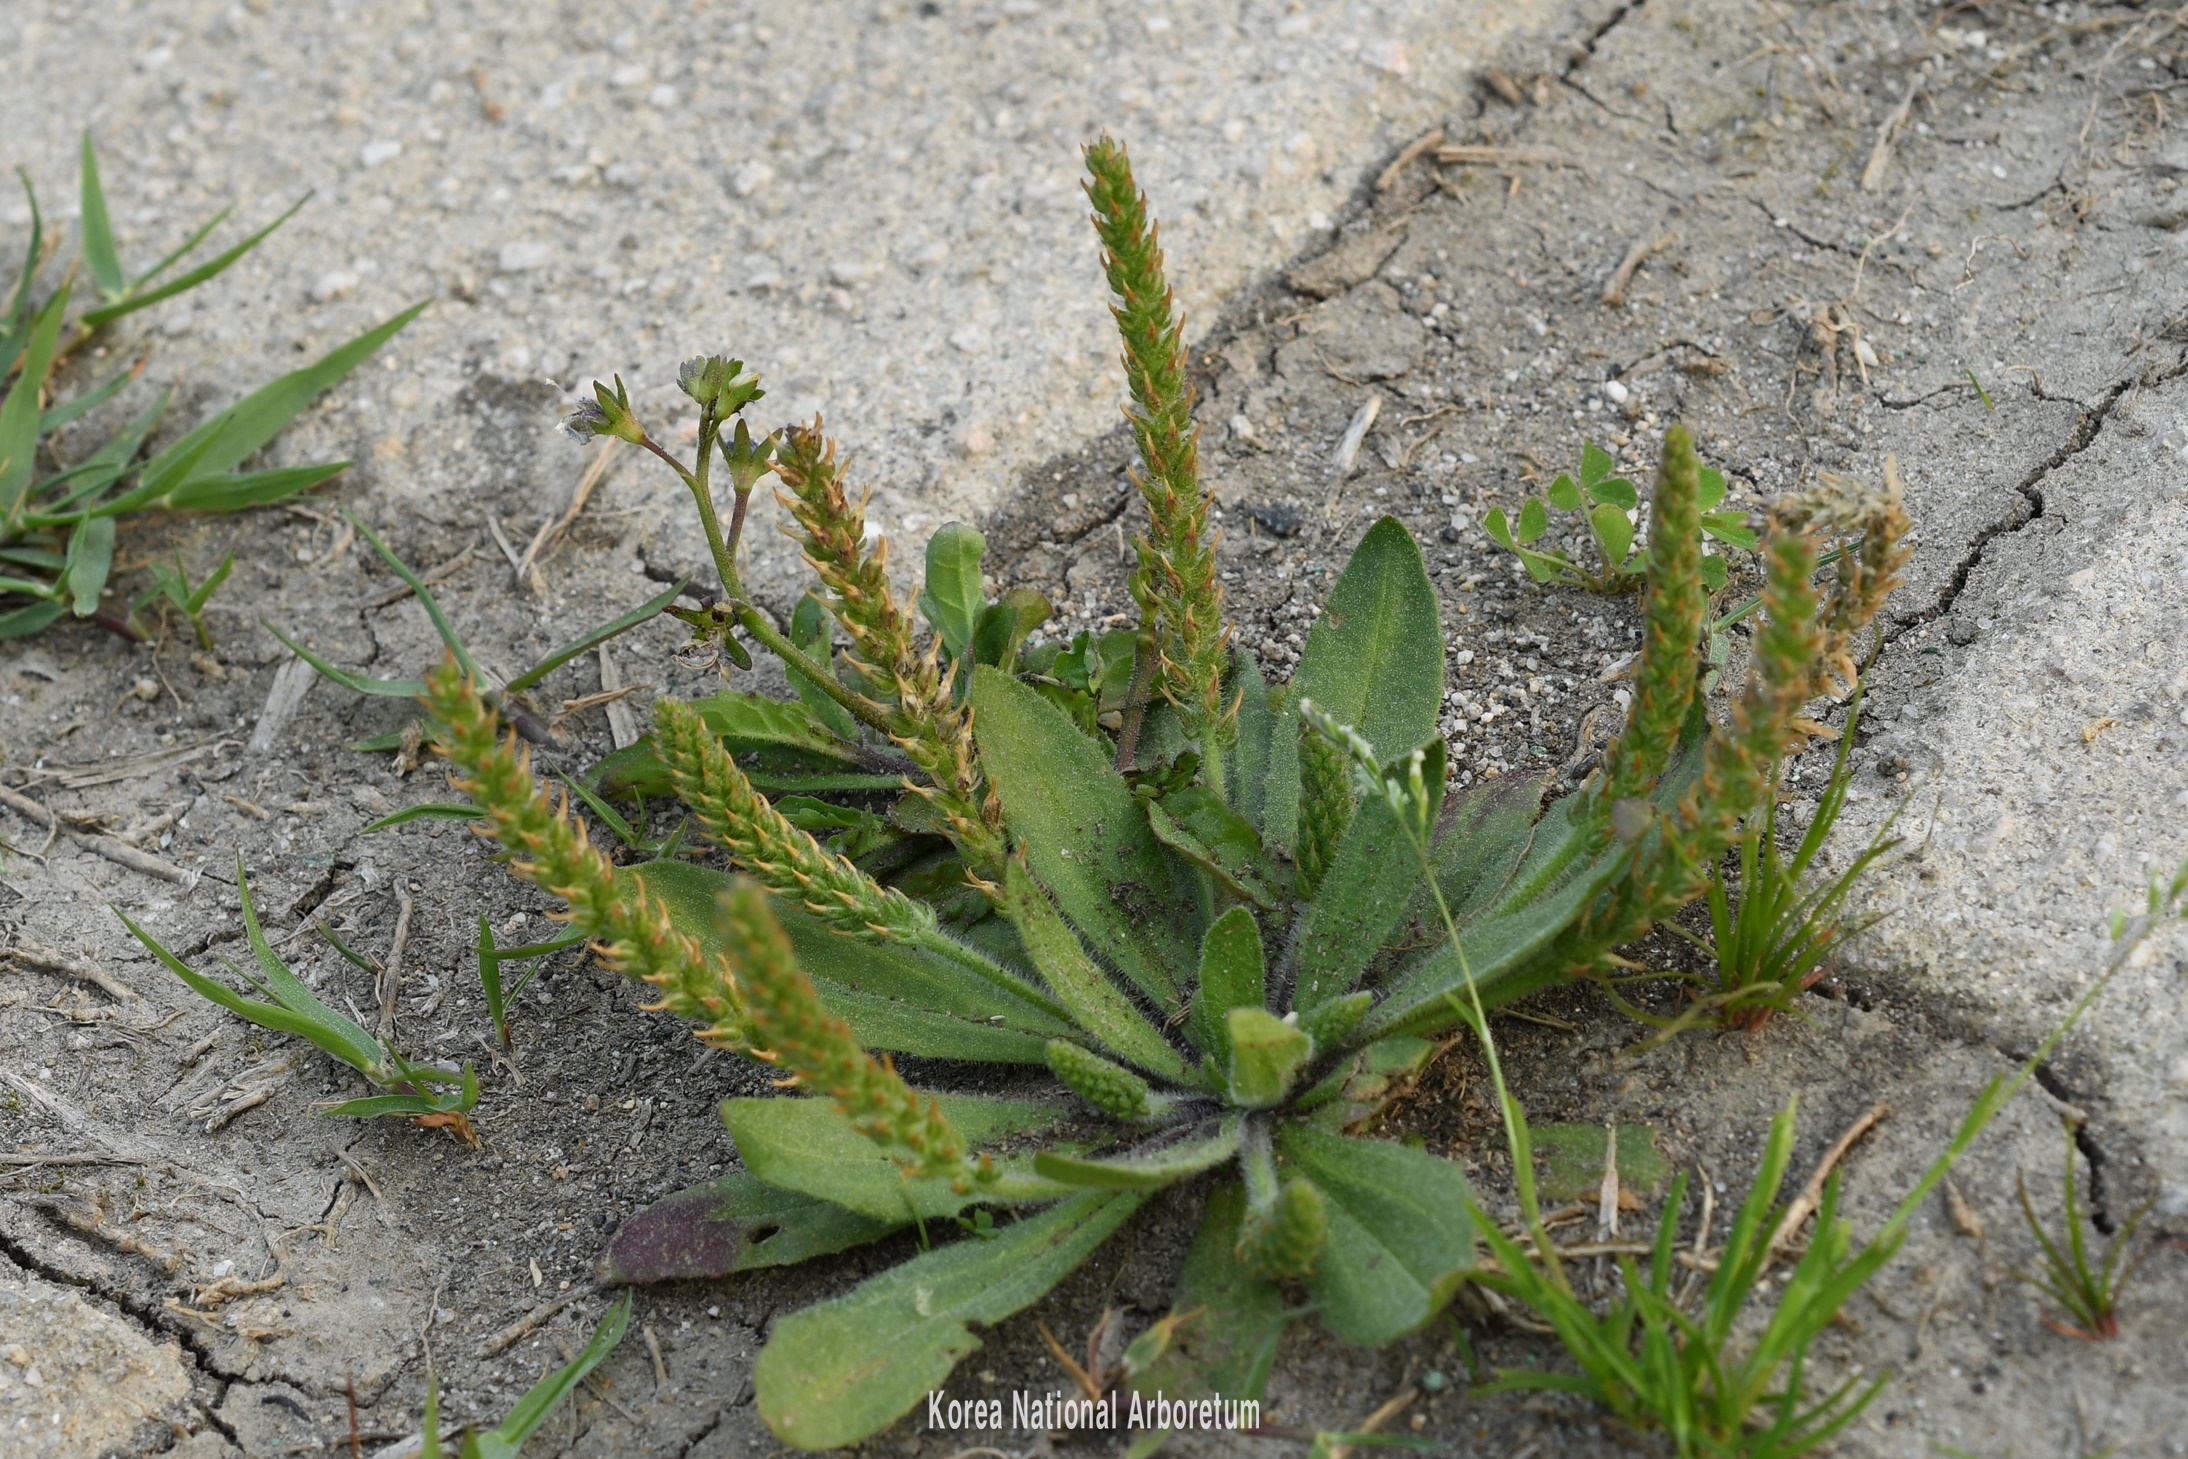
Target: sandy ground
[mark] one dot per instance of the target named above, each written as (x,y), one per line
(2002,311)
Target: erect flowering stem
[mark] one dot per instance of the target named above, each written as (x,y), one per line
(820,1051)
(632,932)
(1664,685)
(1175,584)
(924,718)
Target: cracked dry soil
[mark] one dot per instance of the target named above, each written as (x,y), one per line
(193,1262)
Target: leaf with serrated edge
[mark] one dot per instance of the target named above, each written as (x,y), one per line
(1399,1238)
(809,1146)
(837,1372)
(1085,835)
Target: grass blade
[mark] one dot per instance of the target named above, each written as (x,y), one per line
(429,811)
(532,1409)
(90,400)
(355,683)
(186,246)
(232,492)
(132,302)
(19,414)
(426,600)
(98,245)
(592,640)
(28,619)
(19,311)
(227,439)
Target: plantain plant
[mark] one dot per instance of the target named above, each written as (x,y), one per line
(1220,925)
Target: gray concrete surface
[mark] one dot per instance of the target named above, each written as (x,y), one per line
(876,202)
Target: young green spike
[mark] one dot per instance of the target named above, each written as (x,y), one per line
(1286,1239)
(787,860)
(800,1034)
(1110,1088)
(925,717)
(1326,807)
(632,932)
(1175,584)
(1664,685)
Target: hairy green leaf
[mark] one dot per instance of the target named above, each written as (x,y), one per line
(837,1372)
(1614,533)
(1483,837)
(1097,1005)
(1246,776)
(952,598)
(1147,1169)
(1569,1160)
(1232,975)
(1002,628)
(1615,492)
(1267,1054)
(1194,822)
(1373,660)
(1595,463)
(1085,835)
(1534,518)
(809,1146)
(1228,1319)
(1400,1240)
(880,988)
(1362,895)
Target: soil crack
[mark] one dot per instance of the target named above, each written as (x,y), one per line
(2099,1202)
(2087,424)
(137,1309)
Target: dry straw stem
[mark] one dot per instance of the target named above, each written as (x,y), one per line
(1811,1194)
(632,932)
(925,718)
(1175,583)
(819,1050)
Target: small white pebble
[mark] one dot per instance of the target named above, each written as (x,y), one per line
(1615,392)
(332,285)
(372,154)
